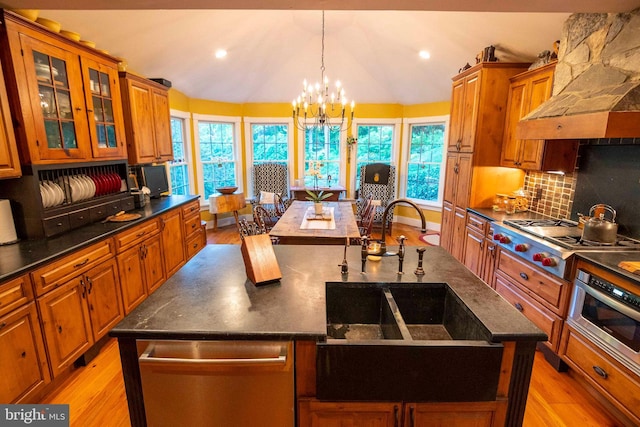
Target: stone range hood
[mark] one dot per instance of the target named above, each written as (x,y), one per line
(596,89)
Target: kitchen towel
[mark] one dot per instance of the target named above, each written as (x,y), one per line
(318,224)
(7,226)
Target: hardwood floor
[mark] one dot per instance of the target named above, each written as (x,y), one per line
(97,398)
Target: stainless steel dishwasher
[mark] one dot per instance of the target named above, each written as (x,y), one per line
(218,383)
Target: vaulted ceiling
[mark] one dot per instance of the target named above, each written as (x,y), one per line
(273,45)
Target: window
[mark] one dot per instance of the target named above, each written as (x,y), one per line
(180,179)
(377,143)
(218,151)
(424,154)
(270,142)
(322,146)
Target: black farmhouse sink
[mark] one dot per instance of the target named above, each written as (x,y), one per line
(404,342)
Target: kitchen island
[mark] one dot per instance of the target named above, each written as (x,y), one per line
(210,298)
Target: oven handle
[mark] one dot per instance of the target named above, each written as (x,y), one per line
(619,306)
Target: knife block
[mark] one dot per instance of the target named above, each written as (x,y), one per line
(259,259)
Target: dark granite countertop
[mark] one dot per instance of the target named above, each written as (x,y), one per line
(491,215)
(610,261)
(211,297)
(25,255)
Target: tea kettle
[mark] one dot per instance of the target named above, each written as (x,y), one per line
(598,228)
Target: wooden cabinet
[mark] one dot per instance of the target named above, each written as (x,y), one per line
(173,241)
(140,262)
(194,230)
(479,247)
(542,298)
(527,91)
(472,414)
(472,175)
(465,97)
(65,96)
(9,161)
(314,413)
(24,370)
(614,381)
(79,312)
(147,119)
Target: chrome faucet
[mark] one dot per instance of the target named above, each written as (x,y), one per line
(382,251)
(390,206)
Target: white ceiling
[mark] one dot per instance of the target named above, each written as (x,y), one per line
(373,52)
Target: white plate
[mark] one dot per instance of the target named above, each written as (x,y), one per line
(44,195)
(91,184)
(51,196)
(57,191)
(84,189)
(76,190)
(60,193)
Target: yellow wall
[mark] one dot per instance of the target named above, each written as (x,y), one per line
(179,101)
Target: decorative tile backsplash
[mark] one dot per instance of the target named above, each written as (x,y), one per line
(550,194)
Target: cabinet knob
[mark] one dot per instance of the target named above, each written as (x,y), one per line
(518,306)
(601,372)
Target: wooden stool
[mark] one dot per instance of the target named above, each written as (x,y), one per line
(222,203)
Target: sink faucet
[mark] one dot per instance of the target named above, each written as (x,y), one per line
(390,206)
(382,251)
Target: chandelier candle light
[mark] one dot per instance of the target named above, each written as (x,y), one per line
(317,107)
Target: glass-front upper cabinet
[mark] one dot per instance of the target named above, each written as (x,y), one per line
(57,102)
(104,110)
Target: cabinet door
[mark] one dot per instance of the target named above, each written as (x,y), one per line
(23,362)
(104,298)
(446,232)
(458,240)
(446,414)
(142,148)
(473,250)
(106,123)
(451,178)
(162,128)
(57,101)
(313,413)
(516,108)
(154,271)
(173,241)
(540,89)
(470,105)
(131,278)
(490,256)
(9,161)
(66,324)
(463,183)
(457,116)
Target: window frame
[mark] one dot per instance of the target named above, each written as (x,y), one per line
(248,136)
(395,145)
(188,161)
(406,135)
(237,146)
(342,176)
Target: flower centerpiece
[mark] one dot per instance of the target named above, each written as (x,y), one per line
(351,141)
(317,198)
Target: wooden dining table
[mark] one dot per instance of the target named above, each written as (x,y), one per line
(299,226)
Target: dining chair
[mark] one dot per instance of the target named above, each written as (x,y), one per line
(378,182)
(263,219)
(270,181)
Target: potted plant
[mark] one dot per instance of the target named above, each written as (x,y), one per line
(317,199)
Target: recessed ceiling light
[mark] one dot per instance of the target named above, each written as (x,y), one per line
(221,53)
(424,54)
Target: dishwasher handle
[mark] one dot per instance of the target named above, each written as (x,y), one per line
(149,359)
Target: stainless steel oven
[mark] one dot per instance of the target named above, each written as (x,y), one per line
(609,316)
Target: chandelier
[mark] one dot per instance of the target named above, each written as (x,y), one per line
(317,107)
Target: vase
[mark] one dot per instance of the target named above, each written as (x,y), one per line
(317,206)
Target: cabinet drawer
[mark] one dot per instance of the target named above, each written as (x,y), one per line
(191,226)
(477,223)
(535,282)
(191,209)
(542,317)
(616,382)
(128,238)
(56,225)
(195,243)
(56,273)
(79,218)
(15,293)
